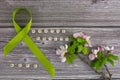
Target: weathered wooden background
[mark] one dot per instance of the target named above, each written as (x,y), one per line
(53,21)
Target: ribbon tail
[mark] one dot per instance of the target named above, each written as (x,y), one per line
(40,56)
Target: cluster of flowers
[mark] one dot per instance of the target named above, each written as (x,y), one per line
(84,36)
(93,55)
(63,49)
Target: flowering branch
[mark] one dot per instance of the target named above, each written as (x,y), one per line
(95,57)
(101,73)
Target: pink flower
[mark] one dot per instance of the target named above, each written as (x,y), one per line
(110,49)
(92,57)
(100,48)
(79,34)
(76,35)
(86,44)
(58,52)
(94,54)
(84,36)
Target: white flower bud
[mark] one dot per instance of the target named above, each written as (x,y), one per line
(63,59)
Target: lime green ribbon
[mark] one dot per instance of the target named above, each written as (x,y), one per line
(22,35)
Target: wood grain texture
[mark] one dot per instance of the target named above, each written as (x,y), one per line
(70,15)
(64,12)
(79,70)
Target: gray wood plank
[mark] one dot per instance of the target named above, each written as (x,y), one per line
(104,36)
(64,12)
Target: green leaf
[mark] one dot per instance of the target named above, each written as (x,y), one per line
(93,63)
(79,48)
(97,64)
(73,56)
(103,61)
(110,61)
(100,55)
(81,40)
(70,58)
(85,50)
(112,56)
(71,49)
(72,38)
(75,43)
(100,61)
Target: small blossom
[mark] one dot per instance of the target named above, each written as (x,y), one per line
(63,59)
(95,52)
(63,49)
(92,56)
(100,48)
(84,36)
(76,35)
(61,52)
(110,49)
(88,41)
(86,44)
(79,34)
(87,38)
(58,52)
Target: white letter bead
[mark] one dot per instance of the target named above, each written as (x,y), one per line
(61,38)
(63,31)
(27,65)
(39,31)
(55,38)
(57,31)
(44,39)
(19,65)
(38,38)
(52,31)
(35,66)
(45,30)
(66,39)
(33,31)
(50,38)
(12,65)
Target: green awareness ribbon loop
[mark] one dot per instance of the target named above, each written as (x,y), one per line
(22,35)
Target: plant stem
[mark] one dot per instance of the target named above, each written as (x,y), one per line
(110,75)
(101,73)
